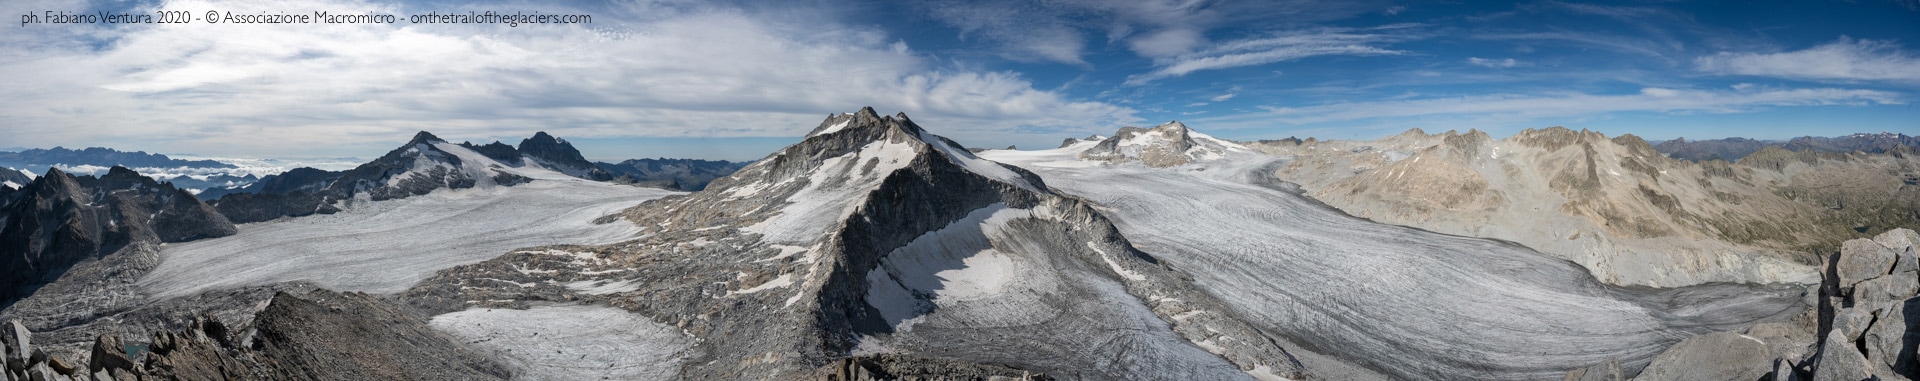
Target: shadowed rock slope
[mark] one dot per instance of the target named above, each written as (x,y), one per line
(1615,205)
(319,335)
(61,224)
(872,237)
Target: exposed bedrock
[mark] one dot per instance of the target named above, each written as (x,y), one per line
(1868,326)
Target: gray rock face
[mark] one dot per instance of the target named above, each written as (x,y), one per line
(1713,356)
(1890,341)
(559,155)
(19,343)
(332,336)
(1862,259)
(109,354)
(1873,330)
(1841,362)
(317,336)
(61,220)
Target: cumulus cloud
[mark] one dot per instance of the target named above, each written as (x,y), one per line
(1492,63)
(1563,105)
(1845,60)
(641,70)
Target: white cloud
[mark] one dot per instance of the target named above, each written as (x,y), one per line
(1224,97)
(1055,30)
(1021,33)
(1846,59)
(1265,50)
(1492,63)
(1558,106)
(671,70)
(1167,43)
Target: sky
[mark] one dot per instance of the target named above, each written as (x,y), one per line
(736,80)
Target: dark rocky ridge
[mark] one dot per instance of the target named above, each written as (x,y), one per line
(561,156)
(60,220)
(682,174)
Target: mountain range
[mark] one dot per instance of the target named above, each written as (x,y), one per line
(875,249)
(1733,149)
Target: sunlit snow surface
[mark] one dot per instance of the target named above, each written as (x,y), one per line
(572,342)
(1411,303)
(386,246)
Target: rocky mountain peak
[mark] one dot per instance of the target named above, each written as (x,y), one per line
(424,137)
(863,120)
(559,155)
(1165,145)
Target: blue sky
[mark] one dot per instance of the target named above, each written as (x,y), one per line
(736,80)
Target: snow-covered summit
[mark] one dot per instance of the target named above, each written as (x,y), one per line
(800,192)
(1165,145)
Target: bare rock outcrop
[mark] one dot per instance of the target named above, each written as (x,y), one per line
(1615,205)
(321,335)
(1867,326)
(1165,145)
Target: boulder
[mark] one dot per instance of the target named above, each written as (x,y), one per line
(1783,371)
(1872,293)
(1899,240)
(1851,323)
(109,353)
(1889,337)
(1862,259)
(1606,371)
(19,344)
(1839,361)
(40,372)
(62,366)
(1713,356)
(1785,340)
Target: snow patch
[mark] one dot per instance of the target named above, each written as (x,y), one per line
(833,192)
(1124,272)
(603,286)
(834,128)
(387,246)
(975,164)
(572,342)
(782,281)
